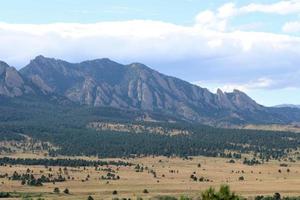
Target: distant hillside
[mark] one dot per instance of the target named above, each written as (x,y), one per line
(109,132)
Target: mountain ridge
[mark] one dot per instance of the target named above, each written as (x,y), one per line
(103,82)
(287,106)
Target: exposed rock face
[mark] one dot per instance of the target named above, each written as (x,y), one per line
(242,101)
(103,82)
(11,82)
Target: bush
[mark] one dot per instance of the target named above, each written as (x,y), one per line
(114,192)
(185,198)
(66,191)
(56,190)
(145,191)
(277,196)
(223,193)
(90,198)
(260,197)
(4,195)
(165,198)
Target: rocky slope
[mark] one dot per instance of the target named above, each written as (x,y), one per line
(11,82)
(103,82)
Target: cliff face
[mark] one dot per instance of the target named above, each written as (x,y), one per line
(103,82)
(11,82)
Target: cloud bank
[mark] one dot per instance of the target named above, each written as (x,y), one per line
(208,51)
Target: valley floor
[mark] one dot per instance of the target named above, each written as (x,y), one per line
(160,176)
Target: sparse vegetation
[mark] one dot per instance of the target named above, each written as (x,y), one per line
(223,193)
(90,198)
(56,190)
(60,162)
(115,192)
(154,173)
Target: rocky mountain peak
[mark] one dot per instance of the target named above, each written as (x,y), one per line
(219,92)
(3,64)
(103,82)
(12,83)
(98,62)
(243,101)
(42,59)
(3,67)
(223,100)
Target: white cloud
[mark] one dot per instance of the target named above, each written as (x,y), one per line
(263,90)
(220,18)
(216,20)
(282,7)
(237,59)
(291,27)
(227,10)
(260,83)
(134,40)
(209,20)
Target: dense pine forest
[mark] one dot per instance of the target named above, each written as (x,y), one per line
(65,126)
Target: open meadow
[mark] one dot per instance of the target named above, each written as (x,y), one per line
(152,176)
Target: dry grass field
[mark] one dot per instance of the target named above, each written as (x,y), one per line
(274,127)
(173,177)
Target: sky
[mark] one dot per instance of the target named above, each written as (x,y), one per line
(253,46)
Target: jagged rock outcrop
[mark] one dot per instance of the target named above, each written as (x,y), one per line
(11,82)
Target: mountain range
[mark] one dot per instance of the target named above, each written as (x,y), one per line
(287,106)
(135,87)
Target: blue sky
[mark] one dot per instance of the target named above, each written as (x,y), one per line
(82,11)
(253,46)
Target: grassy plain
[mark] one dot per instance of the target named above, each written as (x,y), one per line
(173,177)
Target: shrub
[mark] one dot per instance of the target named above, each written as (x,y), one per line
(4,195)
(56,190)
(66,191)
(185,198)
(145,191)
(165,198)
(90,198)
(115,192)
(223,193)
(277,196)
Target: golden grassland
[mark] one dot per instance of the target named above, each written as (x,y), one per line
(274,127)
(173,178)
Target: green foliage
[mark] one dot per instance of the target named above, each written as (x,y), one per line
(60,162)
(115,192)
(224,193)
(185,198)
(65,126)
(4,195)
(164,198)
(56,190)
(90,198)
(276,196)
(66,191)
(145,191)
(29,179)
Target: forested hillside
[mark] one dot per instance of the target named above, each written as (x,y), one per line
(66,126)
